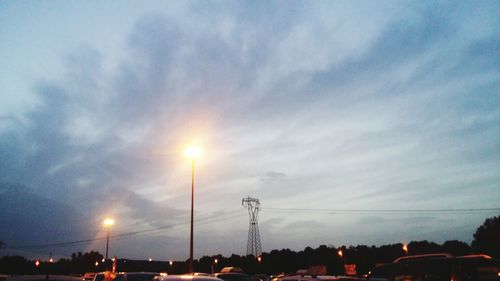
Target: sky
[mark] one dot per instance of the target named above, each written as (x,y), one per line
(353,122)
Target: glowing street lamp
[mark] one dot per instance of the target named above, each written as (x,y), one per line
(108,223)
(215,261)
(37,263)
(171,263)
(405,248)
(192,153)
(340,253)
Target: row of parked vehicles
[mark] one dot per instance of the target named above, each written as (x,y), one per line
(432,267)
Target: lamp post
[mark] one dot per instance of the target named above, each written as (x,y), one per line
(107,224)
(192,152)
(214,262)
(341,255)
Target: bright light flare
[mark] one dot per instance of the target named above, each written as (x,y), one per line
(405,248)
(108,222)
(192,152)
(340,253)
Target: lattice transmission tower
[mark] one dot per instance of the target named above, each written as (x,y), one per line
(253,245)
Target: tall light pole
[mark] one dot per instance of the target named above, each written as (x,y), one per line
(192,152)
(341,255)
(214,262)
(108,222)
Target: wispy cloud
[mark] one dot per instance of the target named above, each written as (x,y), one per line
(318,104)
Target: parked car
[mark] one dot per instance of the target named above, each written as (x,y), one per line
(232,273)
(136,276)
(233,276)
(43,277)
(300,277)
(201,274)
(187,277)
(440,267)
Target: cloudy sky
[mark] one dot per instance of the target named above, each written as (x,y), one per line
(329,112)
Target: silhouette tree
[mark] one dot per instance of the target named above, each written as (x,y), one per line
(456,248)
(81,263)
(487,238)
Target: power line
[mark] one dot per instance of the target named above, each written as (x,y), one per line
(126,235)
(234,214)
(388,211)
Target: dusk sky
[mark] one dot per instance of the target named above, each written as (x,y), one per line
(330,112)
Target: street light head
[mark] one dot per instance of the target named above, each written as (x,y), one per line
(193,152)
(108,222)
(216,261)
(405,248)
(340,253)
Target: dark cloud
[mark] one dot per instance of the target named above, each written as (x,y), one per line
(31,219)
(272,177)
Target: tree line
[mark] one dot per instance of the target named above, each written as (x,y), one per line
(486,241)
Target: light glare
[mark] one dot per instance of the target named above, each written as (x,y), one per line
(193,152)
(108,222)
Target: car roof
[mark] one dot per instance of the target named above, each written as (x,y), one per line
(189,277)
(138,272)
(425,256)
(42,278)
(297,277)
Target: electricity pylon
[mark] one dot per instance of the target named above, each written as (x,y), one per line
(253,245)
